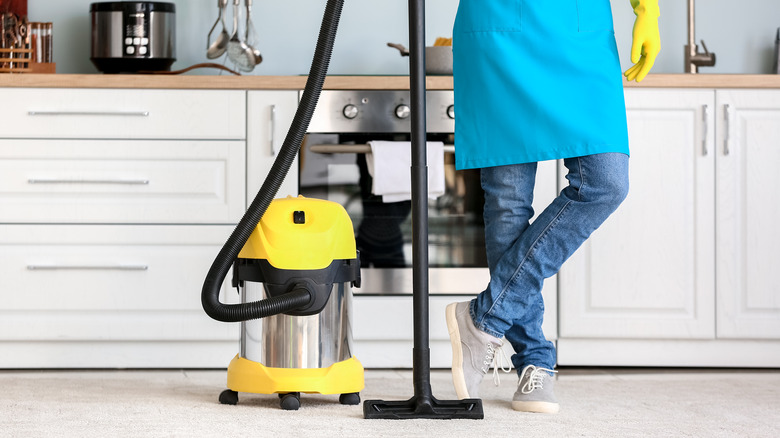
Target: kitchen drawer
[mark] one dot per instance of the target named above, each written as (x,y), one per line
(102,282)
(119,114)
(121,181)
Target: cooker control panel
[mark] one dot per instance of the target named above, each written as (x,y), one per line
(380,111)
(136,34)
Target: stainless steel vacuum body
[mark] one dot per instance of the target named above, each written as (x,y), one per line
(312,341)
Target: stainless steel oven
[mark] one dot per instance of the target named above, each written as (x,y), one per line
(333,166)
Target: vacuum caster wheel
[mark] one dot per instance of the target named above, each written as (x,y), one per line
(290,401)
(350,399)
(228,397)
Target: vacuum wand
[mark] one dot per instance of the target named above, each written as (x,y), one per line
(422,404)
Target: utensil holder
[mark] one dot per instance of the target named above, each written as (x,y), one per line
(21,61)
(15,60)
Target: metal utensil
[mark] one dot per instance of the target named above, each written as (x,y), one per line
(238,52)
(10,30)
(219,46)
(250,26)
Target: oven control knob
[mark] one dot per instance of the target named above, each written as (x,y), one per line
(403,111)
(451,112)
(350,111)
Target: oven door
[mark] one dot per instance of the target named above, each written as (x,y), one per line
(333,167)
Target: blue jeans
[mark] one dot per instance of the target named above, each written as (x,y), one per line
(521,255)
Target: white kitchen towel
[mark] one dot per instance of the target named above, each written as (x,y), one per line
(389,163)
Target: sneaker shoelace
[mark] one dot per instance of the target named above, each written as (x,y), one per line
(535,380)
(497,361)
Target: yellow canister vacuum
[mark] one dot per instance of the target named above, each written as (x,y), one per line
(301,247)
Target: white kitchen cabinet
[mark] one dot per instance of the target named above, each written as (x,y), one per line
(748,212)
(269,115)
(133,192)
(681,274)
(113,204)
(648,271)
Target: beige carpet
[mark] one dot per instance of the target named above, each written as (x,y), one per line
(594,403)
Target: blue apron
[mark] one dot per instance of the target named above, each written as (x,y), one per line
(536,80)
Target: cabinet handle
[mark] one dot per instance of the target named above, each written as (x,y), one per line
(727,119)
(87,181)
(706,122)
(89,113)
(355,148)
(273,131)
(87,267)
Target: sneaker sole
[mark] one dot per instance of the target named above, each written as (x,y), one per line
(536,406)
(458,380)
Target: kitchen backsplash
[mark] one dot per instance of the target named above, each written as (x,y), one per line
(742,34)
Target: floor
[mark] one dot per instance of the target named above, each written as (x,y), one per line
(594,403)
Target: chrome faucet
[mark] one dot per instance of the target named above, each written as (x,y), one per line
(693,58)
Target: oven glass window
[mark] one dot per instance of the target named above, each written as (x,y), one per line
(383,230)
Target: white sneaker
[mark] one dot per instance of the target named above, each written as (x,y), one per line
(535,391)
(473,351)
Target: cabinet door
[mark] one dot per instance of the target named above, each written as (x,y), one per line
(748,212)
(648,272)
(269,115)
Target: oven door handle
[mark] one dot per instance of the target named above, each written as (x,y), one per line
(354,148)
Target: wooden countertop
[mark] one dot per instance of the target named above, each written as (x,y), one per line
(229,82)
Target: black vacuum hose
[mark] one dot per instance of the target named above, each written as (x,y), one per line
(224,260)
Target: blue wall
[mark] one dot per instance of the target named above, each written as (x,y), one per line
(741,33)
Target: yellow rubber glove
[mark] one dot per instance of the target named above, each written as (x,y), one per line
(646,40)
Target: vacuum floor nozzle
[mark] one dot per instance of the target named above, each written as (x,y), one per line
(424,407)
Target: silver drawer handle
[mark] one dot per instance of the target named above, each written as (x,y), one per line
(706,128)
(727,119)
(89,113)
(87,181)
(272,138)
(87,267)
(354,148)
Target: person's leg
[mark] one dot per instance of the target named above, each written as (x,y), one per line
(509,194)
(508,197)
(512,304)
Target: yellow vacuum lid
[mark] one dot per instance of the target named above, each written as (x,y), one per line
(302,233)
